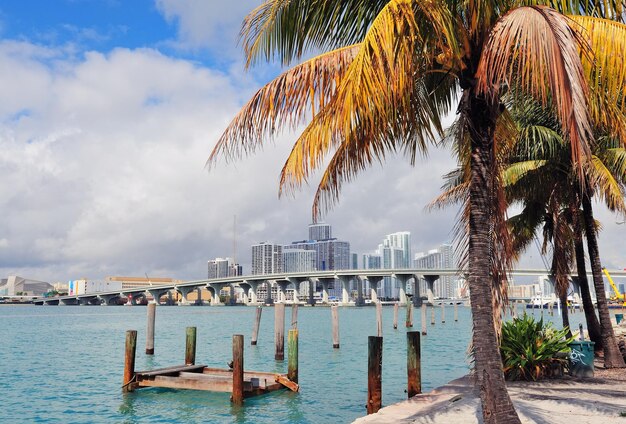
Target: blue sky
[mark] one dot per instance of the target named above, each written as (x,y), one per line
(95,24)
(109,111)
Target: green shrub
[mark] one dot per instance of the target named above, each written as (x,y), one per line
(532,350)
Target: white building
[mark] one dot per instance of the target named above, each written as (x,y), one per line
(267,258)
(394,253)
(13,285)
(298,260)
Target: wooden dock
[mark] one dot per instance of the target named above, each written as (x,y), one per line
(241,384)
(201,377)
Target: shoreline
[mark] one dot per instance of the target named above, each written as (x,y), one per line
(597,400)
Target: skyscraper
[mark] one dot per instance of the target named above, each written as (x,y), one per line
(393,253)
(218,268)
(320,231)
(298,260)
(330,253)
(267,258)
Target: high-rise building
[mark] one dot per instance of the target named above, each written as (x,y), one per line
(330,253)
(218,268)
(394,253)
(371,261)
(440,258)
(320,231)
(267,258)
(298,260)
(354,261)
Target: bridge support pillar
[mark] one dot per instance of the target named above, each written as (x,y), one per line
(156,294)
(345,288)
(402,279)
(374,283)
(184,292)
(325,283)
(215,293)
(297,285)
(430,284)
(281,286)
(254,286)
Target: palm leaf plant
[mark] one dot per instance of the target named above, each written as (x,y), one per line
(531,349)
(392,70)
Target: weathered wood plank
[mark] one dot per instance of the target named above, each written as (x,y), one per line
(170,370)
(212,385)
(287,383)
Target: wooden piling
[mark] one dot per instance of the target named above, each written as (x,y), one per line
(443,313)
(237,395)
(409,314)
(294,316)
(335,318)
(129,361)
(423,308)
(374,374)
(432,315)
(257,323)
(395,315)
(379,318)
(413,363)
(456,312)
(292,355)
(150,330)
(190,346)
(279,331)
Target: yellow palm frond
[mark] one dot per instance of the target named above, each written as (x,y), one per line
(375,104)
(516,171)
(608,189)
(284,102)
(605,72)
(535,50)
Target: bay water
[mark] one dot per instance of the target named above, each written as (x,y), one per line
(64,364)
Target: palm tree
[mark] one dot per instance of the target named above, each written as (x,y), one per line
(393,68)
(547,179)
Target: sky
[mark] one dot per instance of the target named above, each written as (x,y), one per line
(109,111)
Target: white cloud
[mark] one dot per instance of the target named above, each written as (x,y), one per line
(103,173)
(207,24)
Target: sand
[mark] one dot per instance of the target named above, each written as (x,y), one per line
(567,400)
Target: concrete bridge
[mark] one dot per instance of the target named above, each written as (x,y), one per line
(295,281)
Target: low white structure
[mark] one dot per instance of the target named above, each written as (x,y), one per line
(18,286)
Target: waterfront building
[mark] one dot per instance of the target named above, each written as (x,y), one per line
(371,261)
(12,285)
(298,260)
(134,282)
(320,231)
(330,253)
(394,253)
(267,258)
(440,258)
(354,259)
(223,267)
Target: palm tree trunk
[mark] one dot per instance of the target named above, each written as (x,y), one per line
(565,312)
(612,356)
(593,325)
(496,403)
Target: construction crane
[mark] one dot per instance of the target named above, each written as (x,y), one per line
(619,297)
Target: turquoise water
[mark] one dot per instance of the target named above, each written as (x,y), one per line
(63,364)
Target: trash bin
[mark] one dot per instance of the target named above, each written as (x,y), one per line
(619,318)
(581,358)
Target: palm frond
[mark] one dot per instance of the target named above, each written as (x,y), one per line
(287,29)
(284,102)
(534,50)
(514,172)
(607,188)
(382,103)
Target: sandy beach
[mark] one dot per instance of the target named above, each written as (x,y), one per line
(567,400)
